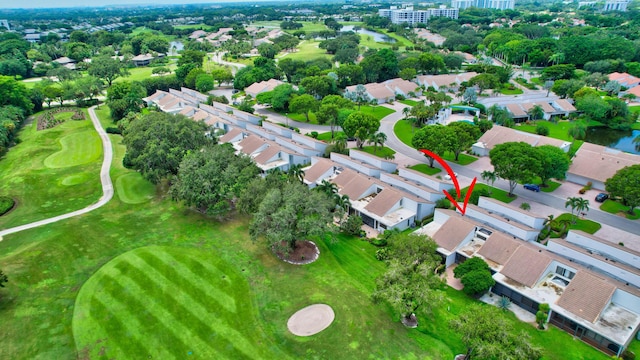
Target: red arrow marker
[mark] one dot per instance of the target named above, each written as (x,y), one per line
(455,182)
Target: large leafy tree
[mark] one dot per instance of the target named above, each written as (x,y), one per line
(124,98)
(460,136)
(488,334)
(290,212)
(360,126)
(329,110)
(475,276)
(411,282)
(431,138)
(107,68)
(318,86)
(626,184)
(555,163)
(422,112)
(515,162)
(14,93)
(211,180)
(304,104)
(157,142)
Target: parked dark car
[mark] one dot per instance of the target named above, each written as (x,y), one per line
(532,187)
(601,197)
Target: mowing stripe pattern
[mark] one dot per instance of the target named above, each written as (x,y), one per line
(166,303)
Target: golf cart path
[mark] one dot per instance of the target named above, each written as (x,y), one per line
(107,185)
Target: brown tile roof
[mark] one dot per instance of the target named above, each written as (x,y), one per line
(200,115)
(545,106)
(267,154)
(517,110)
(600,163)
(565,105)
(353,184)
(316,170)
(545,140)
(404,85)
(167,99)
(251,143)
(383,202)
(230,135)
(452,232)
(526,266)
(500,134)
(499,247)
(379,91)
(586,296)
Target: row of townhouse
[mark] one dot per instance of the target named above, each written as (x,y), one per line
(591,164)
(592,285)
(522,111)
(386,91)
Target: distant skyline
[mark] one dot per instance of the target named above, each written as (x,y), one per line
(35,4)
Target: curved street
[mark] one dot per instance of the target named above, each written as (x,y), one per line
(105,180)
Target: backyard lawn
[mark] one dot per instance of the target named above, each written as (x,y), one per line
(409,102)
(557,130)
(154,279)
(378,112)
(383,152)
(581,224)
(495,193)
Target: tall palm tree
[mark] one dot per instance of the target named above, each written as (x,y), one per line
(296,172)
(340,143)
(374,141)
(582,205)
(342,201)
(572,202)
(536,112)
(548,222)
(327,187)
(489,176)
(406,111)
(381,138)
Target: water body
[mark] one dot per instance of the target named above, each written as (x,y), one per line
(175,46)
(377,37)
(617,139)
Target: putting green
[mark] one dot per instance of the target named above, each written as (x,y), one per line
(77,149)
(75,179)
(132,188)
(168,303)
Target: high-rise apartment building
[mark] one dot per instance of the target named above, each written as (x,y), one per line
(407,15)
(484,4)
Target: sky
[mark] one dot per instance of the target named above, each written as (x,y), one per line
(30,4)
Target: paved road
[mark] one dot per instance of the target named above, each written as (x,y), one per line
(217,58)
(107,185)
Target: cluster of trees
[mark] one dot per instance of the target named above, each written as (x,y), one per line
(519,162)
(157,142)
(15,105)
(625,184)
(475,275)
(282,42)
(455,137)
(262,69)
(13,55)
(411,282)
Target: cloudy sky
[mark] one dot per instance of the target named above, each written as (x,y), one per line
(14,4)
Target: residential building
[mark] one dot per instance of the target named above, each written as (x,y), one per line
(386,91)
(500,134)
(624,79)
(483,4)
(263,86)
(142,59)
(595,163)
(445,82)
(616,5)
(590,284)
(408,15)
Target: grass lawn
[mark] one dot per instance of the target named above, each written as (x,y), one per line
(616,207)
(556,131)
(463,159)
(553,185)
(306,50)
(366,41)
(400,40)
(587,226)
(635,109)
(377,112)
(496,193)
(143,72)
(425,169)
(506,91)
(51,171)
(204,27)
(326,136)
(116,280)
(383,152)
(409,102)
(134,189)
(536,80)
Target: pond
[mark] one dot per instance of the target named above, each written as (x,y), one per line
(617,139)
(175,46)
(377,37)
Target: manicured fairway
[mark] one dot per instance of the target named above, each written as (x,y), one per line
(132,188)
(42,191)
(77,149)
(167,303)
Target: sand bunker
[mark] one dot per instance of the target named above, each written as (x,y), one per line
(311,320)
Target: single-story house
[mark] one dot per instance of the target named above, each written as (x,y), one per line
(142,59)
(595,163)
(263,86)
(624,79)
(446,81)
(500,134)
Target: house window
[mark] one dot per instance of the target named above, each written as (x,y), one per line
(565,272)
